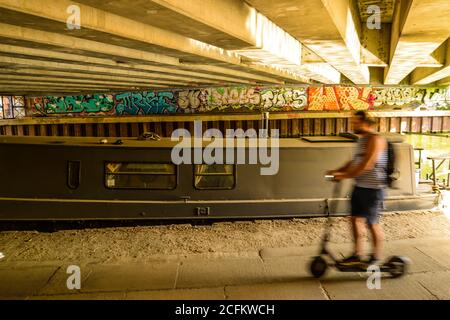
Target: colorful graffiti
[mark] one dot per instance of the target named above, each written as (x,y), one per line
(337,98)
(135,103)
(435,98)
(178,101)
(97,103)
(284,99)
(243,99)
(219,99)
(246,99)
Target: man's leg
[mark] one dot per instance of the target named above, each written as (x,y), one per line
(377,238)
(359,228)
(373,219)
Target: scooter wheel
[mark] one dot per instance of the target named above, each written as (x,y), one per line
(318,267)
(397,266)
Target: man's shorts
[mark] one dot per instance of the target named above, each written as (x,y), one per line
(367,203)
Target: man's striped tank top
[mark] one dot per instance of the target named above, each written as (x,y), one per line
(377,176)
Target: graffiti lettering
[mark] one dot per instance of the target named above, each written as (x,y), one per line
(134,103)
(284,99)
(97,103)
(338,98)
(434,98)
(245,99)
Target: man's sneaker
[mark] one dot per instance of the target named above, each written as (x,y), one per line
(351,261)
(373,261)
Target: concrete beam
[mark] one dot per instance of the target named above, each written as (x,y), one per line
(40,77)
(75,86)
(42,82)
(422,76)
(159,78)
(110,28)
(193,76)
(204,20)
(35,86)
(309,56)
(37,92)
(236,72)
(251,34)
(94,21)
(430,62)
(330,28)
(321,72)
(375,45)
(430,78)
(77,76)
(39,87)
(41,38)
(419,28)
(444,82)
(62,43)
(289,76)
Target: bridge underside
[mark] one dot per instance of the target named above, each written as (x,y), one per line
(63,47)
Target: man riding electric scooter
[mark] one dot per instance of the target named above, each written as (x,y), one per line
(369,169)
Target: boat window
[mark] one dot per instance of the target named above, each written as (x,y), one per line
(214,176)
(73,174)
(140,175)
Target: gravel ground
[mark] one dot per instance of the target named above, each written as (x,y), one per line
(144,243)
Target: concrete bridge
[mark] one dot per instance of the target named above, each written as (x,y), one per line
(63,47)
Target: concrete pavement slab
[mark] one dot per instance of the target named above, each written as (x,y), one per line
(179,294)
(57,285)
(131,277)
(413,242)
(353,286)
(437,283)
(307,289)
(220,272)
(273,253)
(283,274)
(82,296)
(420,262)
(22,282)
(439,253)
(287,269)
(221,255)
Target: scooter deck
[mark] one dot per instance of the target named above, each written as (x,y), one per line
(359,267)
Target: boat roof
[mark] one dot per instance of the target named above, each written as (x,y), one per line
(127,142)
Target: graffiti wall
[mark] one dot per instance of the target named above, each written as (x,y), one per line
(429,98)
(338,98)
(89,104)
(245,99)
(237,99)
(142,103)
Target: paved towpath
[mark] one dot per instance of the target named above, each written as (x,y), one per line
(271,273)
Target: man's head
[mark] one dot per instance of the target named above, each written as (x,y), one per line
(361,122)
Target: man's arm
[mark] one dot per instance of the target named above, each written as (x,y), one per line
(375,146)
(342,169)
(345,167)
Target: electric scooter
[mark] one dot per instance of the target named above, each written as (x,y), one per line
(396,266)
